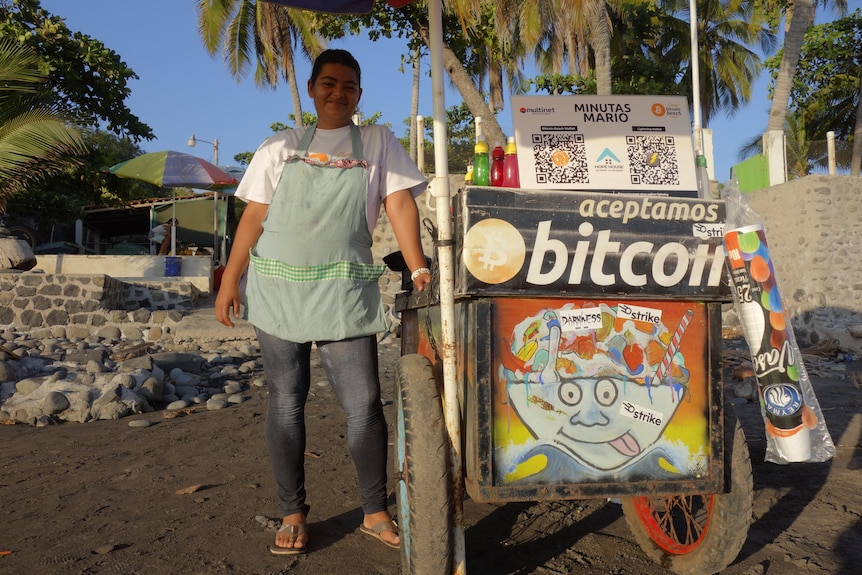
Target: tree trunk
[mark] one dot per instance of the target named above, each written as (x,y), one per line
(793,39)
(471,96)
(495,83)
(290,71)
(600,37)
(856,160)
(414,108)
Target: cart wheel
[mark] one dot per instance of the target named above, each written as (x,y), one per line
(25,233)
(698,534)
(424,493)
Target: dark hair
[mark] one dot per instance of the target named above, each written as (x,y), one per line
(335,56)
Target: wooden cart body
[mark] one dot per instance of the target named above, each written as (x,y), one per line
(588,343)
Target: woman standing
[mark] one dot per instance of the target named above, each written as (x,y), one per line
(304,240)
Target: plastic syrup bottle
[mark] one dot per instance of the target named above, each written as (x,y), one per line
(510,165)
(468,177)
(481,163)
(497,166)
(703,191)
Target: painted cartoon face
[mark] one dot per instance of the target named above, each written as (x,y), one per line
(603,393)
(606,422)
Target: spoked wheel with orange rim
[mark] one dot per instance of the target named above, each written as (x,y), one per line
(698,534)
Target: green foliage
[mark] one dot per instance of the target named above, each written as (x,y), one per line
(800,155)
(461,132)
(36,139)
(631,75)
(243,158)
(62,198)
(825,91)
(88,81)
(383,21)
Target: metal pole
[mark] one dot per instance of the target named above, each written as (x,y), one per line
(215,210)
(191,143)
(695,79)
(445,259)
(173,225)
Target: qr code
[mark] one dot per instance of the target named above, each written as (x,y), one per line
(560,159)
(652,160)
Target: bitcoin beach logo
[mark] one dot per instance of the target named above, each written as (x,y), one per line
(494,251)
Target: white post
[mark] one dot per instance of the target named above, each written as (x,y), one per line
(830,148)
(420,143)
(79,232)
(173,225)
(709,152)
(445,259)
(773,149)
(478,127)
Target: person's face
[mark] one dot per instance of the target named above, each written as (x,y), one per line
(336,93)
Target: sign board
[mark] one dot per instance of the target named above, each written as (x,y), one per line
(552,242)
(631,144)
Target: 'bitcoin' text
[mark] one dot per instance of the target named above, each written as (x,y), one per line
(669,264)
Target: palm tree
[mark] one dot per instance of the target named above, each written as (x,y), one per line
(414,135)
(557,30)
(269,32)
(800,19)
(856,161)
(36,140)
(799,16)
(600,38)
(798,148)
(728,64)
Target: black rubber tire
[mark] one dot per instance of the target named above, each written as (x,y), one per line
(423,494)
(25,233)
(719,531)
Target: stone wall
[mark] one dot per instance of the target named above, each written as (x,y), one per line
(33,299)
(813,229)
(196,270)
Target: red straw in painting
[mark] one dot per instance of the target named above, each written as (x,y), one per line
(672,347)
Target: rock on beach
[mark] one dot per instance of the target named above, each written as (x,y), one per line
(47,377)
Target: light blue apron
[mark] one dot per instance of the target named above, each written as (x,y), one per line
(312,276)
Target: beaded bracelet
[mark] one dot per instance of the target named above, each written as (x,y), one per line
(418,272)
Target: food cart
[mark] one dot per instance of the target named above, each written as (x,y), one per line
(588,365)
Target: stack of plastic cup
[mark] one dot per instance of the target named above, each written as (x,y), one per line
(761,311)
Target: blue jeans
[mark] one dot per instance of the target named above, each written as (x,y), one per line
(351,366)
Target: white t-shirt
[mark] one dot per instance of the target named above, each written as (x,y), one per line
(159,233)
(390,168)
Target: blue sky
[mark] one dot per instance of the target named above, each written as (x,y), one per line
(182,90)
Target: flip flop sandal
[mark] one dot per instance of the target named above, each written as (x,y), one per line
(294,531)
(376,530)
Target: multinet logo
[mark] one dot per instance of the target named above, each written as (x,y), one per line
(536,110)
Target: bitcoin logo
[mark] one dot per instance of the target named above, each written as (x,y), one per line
(560,158)
(658,110)
(494,251)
